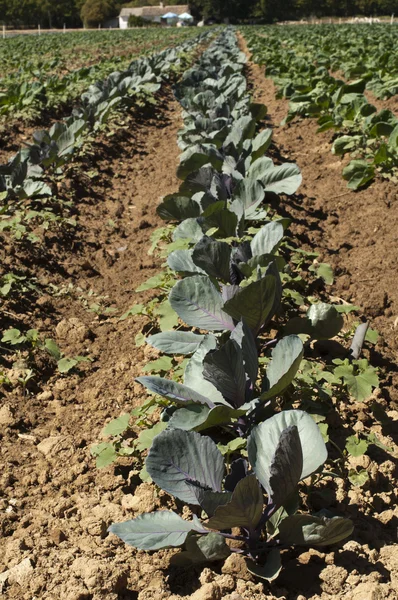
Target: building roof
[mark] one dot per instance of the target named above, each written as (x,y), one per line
(154,11)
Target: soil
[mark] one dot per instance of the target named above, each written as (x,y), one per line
(55,506)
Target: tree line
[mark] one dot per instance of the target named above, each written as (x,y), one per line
(73,13)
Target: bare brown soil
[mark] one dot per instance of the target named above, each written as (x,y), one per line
(55,506)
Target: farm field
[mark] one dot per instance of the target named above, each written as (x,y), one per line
(171,229)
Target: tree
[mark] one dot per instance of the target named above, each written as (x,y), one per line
(94,12)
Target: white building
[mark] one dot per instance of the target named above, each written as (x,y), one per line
(150,13)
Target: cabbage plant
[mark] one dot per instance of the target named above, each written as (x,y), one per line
(252,510)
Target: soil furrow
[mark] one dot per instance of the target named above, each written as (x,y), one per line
(56,518)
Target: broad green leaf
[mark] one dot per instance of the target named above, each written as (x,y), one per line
(270,569)
(356,446)
(117,426)
(52,348)
(106,456)
(195,157)
(181,262)
(283,179)
(286,466)
(168,319)
(198,303)
(177,457)
(244,337)
(66,364)
(307,530)
(213,257)
(176,342)
(225,370)
(202,549)
(193,375)
(188,229)
(156,530)
(322,322)
(261,143)
(253,303)
(209,501)
(146,437)
(267,240)
(201,417)
(265,437)
(358,478)
(358,173)
(285,362)
(173,390)
(151,283)
(178,208)
(325,271)
(13,336)
(162,364)
(244,510)
(360,380)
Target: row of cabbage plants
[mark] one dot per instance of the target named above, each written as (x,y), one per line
(227,298)
(368,135)
(26,174)
(36,85)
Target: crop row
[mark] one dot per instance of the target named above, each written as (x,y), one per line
(36,84)
(29,183)
(237,345)
(302,71)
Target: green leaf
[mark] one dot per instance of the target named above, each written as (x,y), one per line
(117,426)
(202,549)
(199,304)
(137,309)
(52,348)
(66,364)
(232,446)
(152,283)
(225,370)
(358,478)
(146,437)
(168,319)
(162,364)
(173,390)
(372,335)
(270,569)
(283,179)
(139,339)
(373,439)
(156,530)
(358,173)
(200,417)
(325,271)
(265,437)
(106,456)
(267,240)
(356,446)
(261,143)
(176,342)
(213,257)
(359,377)
(244,510)
(307,530)
(181,261)
(13,337)
(286,466)
(322,322)
(253,303)
(285,362)
(178,457)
